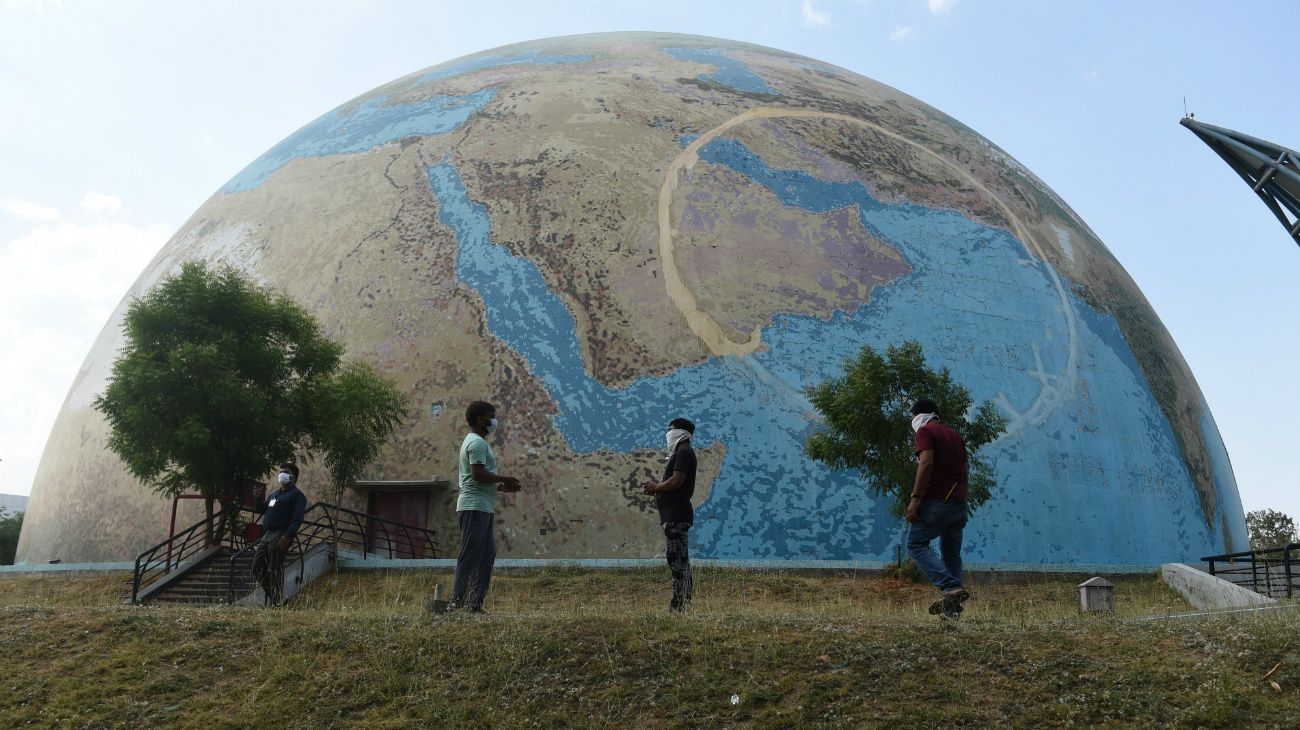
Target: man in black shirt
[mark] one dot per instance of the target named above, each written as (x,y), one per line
(673,498)
(281,517)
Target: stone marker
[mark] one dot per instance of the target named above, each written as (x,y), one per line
(436,604)
(1097,594)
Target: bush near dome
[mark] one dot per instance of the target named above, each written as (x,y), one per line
(868,419)
(601,233)
(221,380)
(11,525)
(1270,528)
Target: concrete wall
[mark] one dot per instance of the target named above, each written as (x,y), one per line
(1206,592)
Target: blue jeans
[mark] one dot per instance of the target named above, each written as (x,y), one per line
(944,521)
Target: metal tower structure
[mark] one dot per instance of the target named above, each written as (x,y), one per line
(1271,170)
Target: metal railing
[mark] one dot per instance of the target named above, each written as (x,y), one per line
(367,534)
(160,560)
(346,529)
(1272,571)
(296,552)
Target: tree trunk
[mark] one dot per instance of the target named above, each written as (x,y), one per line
(211,540)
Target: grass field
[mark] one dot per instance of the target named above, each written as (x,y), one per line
(578,648)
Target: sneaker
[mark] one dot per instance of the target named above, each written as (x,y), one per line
(950,601)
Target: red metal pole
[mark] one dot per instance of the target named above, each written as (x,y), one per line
(171,532)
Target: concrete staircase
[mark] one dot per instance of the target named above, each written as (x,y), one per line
(210,583)
(189,569)
(205,581)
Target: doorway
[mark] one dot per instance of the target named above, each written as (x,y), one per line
(404,507)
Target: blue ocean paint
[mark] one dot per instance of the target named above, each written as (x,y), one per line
(1098,480)
(728,71)
(365,127)
(534,57)
(376,122)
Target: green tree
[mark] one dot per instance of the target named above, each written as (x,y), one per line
(1269,528)
(868,419)
(221,380)
(10,527)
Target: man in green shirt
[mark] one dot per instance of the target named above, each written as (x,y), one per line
(475,509)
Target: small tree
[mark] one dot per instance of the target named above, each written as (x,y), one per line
(1269,528)
(11,525)
(221,380)
(868,422)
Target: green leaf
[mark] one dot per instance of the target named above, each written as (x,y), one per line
(221,379)
(867,422)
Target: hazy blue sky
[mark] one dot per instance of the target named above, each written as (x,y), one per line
(118,119)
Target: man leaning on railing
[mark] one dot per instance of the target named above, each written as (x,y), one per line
(281,517)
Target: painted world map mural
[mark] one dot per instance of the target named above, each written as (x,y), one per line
(600,233)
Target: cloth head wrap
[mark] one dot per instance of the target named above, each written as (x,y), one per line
(675,437)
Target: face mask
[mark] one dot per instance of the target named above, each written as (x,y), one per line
(921,419)
(285,478)
(492,425)
(674,437)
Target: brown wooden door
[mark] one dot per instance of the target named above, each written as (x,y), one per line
(395,509)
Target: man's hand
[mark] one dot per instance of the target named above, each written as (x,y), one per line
(510,484)
(650,487)
(914,510)
(284,543)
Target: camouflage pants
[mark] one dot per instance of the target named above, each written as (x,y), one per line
(268,566)
(679,563)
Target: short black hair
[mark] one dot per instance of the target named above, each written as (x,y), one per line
(924,405)
(682,423)
(476,409)
(290,467)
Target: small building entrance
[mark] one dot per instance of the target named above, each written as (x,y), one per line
(393,504)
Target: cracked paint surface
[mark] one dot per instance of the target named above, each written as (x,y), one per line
(492,228)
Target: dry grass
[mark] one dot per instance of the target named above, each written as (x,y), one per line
(570,647)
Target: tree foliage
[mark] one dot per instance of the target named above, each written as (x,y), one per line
(11,525)
(221,380)
(1269,528)
(868,419)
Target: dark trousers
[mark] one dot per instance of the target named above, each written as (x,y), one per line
(268,568)
(478,551)
(679,563)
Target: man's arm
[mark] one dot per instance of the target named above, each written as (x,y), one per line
(299,509)
(923,471)
(673,483)
(483,476)
(260,504)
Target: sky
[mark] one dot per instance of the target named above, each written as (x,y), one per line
(117,120)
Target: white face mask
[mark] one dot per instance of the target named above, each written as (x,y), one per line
(492,425)
(921,419)
(285,478)
(674,437)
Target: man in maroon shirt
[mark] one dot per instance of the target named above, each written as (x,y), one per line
(938,506)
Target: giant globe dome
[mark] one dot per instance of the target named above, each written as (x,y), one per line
(600,233)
